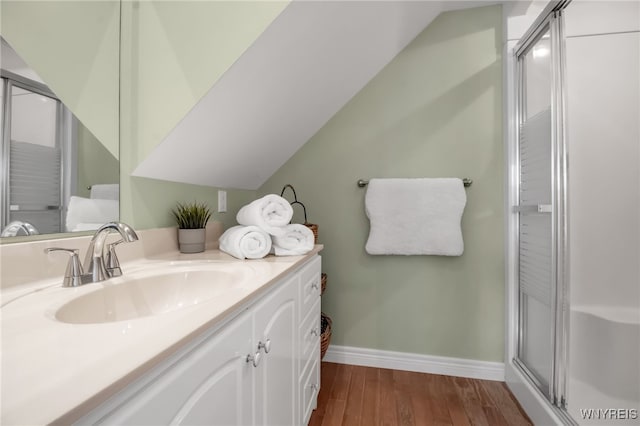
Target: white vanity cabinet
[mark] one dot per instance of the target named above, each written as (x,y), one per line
(209,385)
(309,340)
(259,368)
(275,377)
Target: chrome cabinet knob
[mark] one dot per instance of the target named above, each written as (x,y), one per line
(314,331)
(265,345)
(254,359)
(315,285)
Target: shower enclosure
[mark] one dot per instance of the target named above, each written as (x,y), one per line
(31,154)
(541,203)
(574,215)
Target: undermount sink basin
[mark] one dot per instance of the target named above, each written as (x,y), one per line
(153,293)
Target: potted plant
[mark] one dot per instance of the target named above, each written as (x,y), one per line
(192,219)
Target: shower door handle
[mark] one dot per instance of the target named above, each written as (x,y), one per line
(534,208)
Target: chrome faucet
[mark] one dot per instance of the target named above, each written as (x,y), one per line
(14,228)
(94,261)
(100,262)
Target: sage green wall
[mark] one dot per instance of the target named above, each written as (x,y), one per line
(172,53)
(153,200)
(434,111)
(96,165)
(73,46)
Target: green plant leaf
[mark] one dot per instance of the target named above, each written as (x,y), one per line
(191,215)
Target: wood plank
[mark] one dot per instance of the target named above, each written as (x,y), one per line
(420,400)
(316,419)
(353,409)
(340,387)
(387,399)
(334,412)
(503,400)
(437,399)
(470,401)
(454,403)
(483,397)
(465,389)
(327,378)
(404,408)
(371,397)
(352,396)
(494,416)
(402,388)
(523,414)
(402,379)
(440,411)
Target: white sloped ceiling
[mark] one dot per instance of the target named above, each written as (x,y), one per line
(306,65)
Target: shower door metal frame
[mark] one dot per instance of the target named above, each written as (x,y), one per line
(9,81)
(552,22)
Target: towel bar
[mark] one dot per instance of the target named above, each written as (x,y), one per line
(466,182)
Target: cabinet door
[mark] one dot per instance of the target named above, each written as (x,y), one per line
(276,377)
(211,385)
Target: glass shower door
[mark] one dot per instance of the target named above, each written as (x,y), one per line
(540,225)
(32,157)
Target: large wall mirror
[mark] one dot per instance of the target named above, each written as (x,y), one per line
(60,115)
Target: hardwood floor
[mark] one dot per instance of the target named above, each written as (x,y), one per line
(352,395)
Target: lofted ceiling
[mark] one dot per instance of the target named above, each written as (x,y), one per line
(313,58)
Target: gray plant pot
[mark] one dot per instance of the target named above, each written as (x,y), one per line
(191,240)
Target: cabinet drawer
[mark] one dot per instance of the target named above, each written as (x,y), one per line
(310,334)
(310,286)
(309,388)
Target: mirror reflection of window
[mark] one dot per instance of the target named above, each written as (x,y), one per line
(57,177)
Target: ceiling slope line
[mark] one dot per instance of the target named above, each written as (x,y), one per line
(304,68)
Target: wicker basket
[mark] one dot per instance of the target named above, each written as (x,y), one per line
(325,336)
(312,226)
(323,283)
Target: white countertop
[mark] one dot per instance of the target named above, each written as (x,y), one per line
(54,371)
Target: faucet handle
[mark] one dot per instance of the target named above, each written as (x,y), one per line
(112,263)
(74,272)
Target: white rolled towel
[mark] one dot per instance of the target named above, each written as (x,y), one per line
(296,240)
(271,213)
(245,242)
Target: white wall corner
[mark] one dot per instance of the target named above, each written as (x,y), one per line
(431,364)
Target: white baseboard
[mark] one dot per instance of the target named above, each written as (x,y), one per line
(447,366)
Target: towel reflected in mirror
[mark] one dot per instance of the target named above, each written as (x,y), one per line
(87,214)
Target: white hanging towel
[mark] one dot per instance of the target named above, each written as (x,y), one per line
(271,213)
(245,242)
(415,216)
(297,240)
(85,213)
